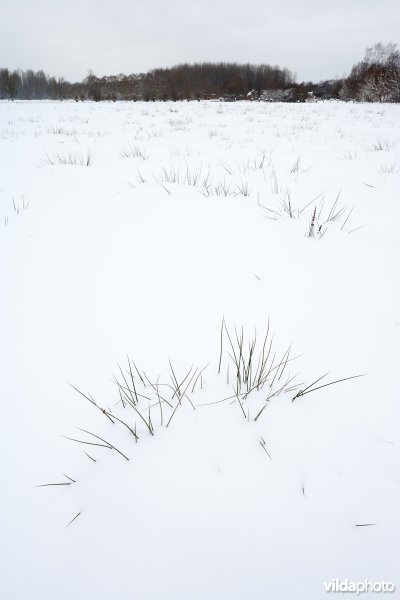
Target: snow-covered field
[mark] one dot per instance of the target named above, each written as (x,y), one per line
(133,230)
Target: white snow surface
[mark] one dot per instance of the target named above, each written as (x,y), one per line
(178,221)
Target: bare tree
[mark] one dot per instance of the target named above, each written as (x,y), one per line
(377,77)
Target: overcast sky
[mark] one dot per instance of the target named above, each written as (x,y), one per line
(317,39)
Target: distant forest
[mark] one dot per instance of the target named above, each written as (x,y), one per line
(376,78)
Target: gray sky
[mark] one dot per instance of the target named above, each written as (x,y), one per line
(314,38)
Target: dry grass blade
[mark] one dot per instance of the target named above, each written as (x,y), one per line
(91,457)
(92,401)
(132,393)
(174,411)
(311,202)
(105,441)
(200,374)
(178,390)
(72,520)
(131,374)
(308,390)
(311,384)
(88,443)
(51,484)
(347,218)
(333,207)
(132,404)
(279,391)
(138,373)
(174,380)
(221,338)
(263,446)
(123,423)
(155,387)
(160,404)
(187,387)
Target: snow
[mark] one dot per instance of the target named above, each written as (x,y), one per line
(177,222)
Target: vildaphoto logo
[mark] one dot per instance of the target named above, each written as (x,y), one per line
(359,587)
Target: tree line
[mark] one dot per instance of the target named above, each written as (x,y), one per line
(30,85)
(181,82)
(374,79)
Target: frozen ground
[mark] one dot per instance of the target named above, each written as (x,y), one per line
(132,229)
